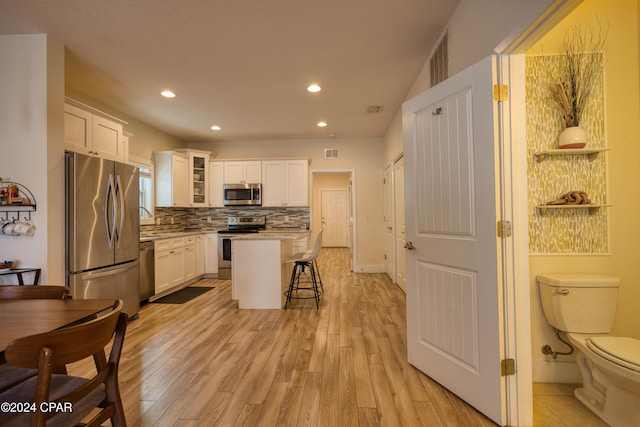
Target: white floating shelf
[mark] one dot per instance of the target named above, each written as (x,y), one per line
(592,207)
(591,152)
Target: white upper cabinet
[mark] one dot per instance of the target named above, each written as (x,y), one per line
(171,171)
(198,176)
(243,172)
(285,182)
(92,134)
(216,182)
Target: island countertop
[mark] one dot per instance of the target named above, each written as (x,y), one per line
(270,235)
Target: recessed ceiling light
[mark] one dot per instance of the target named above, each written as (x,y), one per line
(168,94)
(216,127)
(321,124)
(314,88)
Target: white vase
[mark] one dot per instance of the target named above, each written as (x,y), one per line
(573,137)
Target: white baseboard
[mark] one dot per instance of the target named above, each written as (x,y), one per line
(556,372)
(369,269)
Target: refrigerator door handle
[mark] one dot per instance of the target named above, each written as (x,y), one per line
(109,211)
(121,209)
(97,274)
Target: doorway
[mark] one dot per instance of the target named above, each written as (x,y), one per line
(399,223)
(332,207)
(394,222)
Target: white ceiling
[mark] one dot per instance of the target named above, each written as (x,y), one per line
(242,64)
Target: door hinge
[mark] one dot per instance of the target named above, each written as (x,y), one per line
(507,367)
(504,229)
(500,93)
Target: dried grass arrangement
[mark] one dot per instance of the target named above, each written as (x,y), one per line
(581,65)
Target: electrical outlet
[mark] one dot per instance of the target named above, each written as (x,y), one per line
(171,220)
(157,221)
(208,220)
(286,218)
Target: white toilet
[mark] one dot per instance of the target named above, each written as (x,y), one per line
(584,307)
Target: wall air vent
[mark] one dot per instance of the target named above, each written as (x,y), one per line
(439,61)
(330,153)
(375,109)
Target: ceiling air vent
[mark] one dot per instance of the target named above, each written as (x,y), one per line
(330,153)
(375,109)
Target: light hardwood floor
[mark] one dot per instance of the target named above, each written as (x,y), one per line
(206,363)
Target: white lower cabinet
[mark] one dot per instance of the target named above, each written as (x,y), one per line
(211,253)
(176,262)
(190,260)
(200,255)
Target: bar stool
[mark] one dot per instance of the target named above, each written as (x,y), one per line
(304,272)
(315,262)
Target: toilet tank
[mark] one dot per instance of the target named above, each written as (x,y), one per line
(579,303)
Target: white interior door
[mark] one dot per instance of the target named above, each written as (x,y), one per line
(335,217)
(454,311)
(389,249)
(401,261)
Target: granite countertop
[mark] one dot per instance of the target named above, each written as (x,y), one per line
(271,235)
(160,236)
(282,233)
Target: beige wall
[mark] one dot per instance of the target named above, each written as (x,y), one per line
(31,143)
(364,156)
(622,133)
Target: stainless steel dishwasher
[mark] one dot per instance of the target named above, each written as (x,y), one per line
(147,273)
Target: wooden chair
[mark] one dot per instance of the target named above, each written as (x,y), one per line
(33,292)
(67,400)
(9,374)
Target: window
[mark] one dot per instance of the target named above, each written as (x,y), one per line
(146,190)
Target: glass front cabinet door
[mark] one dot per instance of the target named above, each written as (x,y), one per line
(198,177)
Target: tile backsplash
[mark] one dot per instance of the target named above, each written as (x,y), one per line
(213,219)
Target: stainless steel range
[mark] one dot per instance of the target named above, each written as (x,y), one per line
(236,225)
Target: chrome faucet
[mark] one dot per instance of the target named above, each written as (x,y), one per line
(147,211)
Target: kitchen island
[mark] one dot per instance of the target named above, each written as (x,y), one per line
(261,268)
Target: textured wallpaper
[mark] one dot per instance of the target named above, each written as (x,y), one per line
(563,231)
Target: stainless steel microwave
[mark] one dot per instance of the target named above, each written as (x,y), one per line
(243,194)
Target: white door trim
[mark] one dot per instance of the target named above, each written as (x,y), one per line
(514,193)
(353,238)
(515,250)
(398,258)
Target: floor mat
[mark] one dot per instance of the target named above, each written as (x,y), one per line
(183,295)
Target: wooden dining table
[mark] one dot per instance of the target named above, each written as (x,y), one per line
(24,317)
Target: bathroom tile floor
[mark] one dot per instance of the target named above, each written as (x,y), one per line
(555,406)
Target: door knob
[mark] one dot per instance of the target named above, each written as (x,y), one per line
(409,245)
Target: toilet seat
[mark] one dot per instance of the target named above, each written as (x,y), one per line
(623,351)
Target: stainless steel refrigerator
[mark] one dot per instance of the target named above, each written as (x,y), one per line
(103,230)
